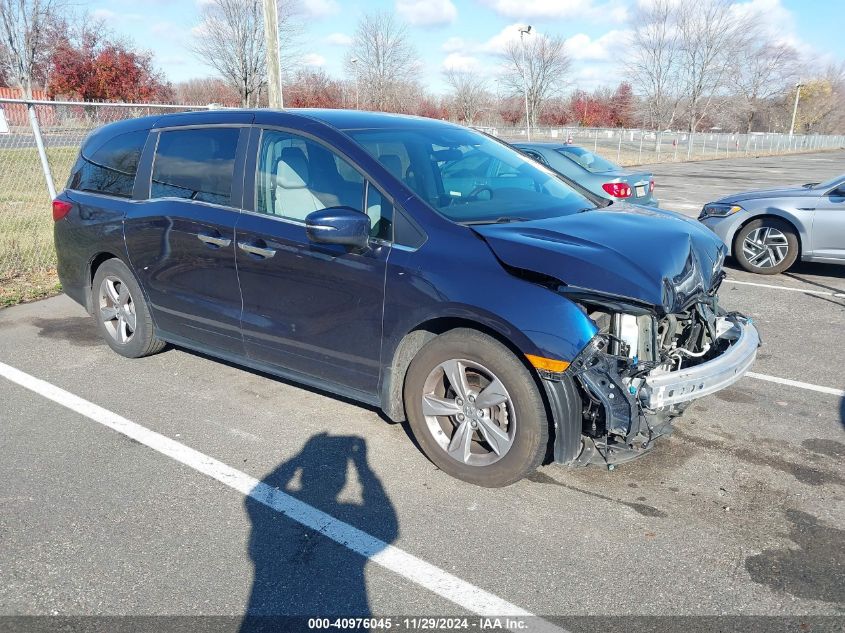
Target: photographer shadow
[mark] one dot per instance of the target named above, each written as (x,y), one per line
(299,572)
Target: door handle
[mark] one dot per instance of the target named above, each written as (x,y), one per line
(211,240)
(252,249)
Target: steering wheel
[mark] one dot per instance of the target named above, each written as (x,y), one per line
(473,195)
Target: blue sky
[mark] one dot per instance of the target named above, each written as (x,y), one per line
(464,34)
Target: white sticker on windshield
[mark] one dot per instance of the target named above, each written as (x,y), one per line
(455,193)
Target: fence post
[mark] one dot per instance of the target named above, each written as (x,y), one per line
(42,153)
(619,148)
(689,145)
(642,135)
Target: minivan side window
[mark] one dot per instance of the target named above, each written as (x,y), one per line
(110,169)
(196,164)
(297,176)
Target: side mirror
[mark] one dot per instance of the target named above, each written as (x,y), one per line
(338,225)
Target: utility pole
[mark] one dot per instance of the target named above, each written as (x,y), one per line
(274,71)
(798,87)
(525,30)
(354,61)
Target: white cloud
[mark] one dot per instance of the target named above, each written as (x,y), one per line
(313,59)
(338,39)
(321,8)
(453,45)
(427,12)
(459,61)
(611,45)
(499,42)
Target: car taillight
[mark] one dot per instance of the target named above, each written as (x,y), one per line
(617,189)
(61,209)
(651,185)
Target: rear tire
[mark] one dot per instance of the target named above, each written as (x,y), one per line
(766,246)
(489,437)
(121,312)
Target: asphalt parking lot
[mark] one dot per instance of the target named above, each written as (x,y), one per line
(739,513)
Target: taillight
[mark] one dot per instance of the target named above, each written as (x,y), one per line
(61,209)
(651,185)
(617,189)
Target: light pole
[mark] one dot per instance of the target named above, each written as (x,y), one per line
(798,87)
(354,61)
(525,30)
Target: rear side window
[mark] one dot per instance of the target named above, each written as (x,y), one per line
(196,164)
(110,168)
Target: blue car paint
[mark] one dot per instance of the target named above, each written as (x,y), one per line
(651,256)
(335,319)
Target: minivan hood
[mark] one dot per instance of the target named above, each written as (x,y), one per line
(651,256)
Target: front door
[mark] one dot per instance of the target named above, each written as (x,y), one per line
(315,309)
(829,225)
(181,241)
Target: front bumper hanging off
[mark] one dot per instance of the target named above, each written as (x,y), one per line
(641,408)
(674,387)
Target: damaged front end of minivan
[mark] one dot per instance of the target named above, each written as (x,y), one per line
(648,281)
(641,370)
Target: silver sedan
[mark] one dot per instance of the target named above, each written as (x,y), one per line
(767,231)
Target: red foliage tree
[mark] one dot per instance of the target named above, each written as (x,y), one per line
(93,67)
(313,89)
(512,111)
(622,106)
(432,109)
(554,113)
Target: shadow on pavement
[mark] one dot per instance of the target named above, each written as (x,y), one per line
(298,571)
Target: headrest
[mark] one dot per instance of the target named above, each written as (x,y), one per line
(392,163)
(292,169)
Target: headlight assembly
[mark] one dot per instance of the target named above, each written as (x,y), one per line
(719,210)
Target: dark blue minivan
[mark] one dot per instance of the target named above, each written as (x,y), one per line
(512,318)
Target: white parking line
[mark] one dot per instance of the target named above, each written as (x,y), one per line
(408,566)
(796,383)
(805,291)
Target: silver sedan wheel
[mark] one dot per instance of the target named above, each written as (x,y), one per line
(117,310)
(469,412)
(765,247)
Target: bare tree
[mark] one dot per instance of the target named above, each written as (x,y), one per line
(759,73)
(25,28)
(543,73)
(654,61)
(710,36)
(469,94)
(382,60)
(230,38)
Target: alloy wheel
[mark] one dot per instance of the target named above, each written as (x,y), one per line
(765,247)
(117,310)
(469,412)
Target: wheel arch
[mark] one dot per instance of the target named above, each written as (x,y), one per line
(393,383)
(407,348)
(94,263)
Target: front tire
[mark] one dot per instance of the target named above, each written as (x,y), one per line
(475,409)
(766,246)
(121,312)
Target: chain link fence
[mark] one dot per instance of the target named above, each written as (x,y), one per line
(39,141)
(637,147)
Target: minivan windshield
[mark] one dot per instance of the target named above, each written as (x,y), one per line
(471,178)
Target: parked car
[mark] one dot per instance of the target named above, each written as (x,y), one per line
(599,175)
(510,318)
(767,231)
